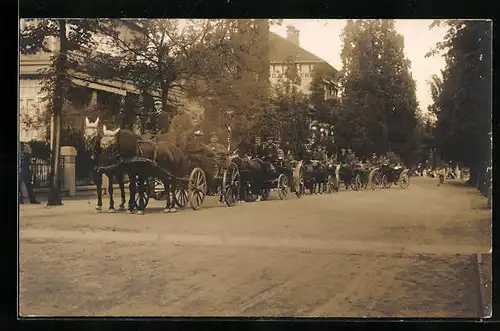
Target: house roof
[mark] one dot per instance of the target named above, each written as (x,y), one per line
(281,49)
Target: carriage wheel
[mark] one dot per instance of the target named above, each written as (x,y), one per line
(354,183)
(181,197)
(385,182)
(197,188)
(231,182)
(358,182)
(404,181)
(375,181)
(145,195)
(330,186)
(155,188)
(265,194)
(282,186)
(298,178)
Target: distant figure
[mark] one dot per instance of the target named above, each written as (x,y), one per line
(441,175)
(25,175)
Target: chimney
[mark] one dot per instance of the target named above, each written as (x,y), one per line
(292,34)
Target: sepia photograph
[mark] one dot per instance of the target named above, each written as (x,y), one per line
(255,167)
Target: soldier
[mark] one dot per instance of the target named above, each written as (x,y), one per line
(343,156)
(159,120)
(349,157)
(256,150)
(215,145)
(25,175)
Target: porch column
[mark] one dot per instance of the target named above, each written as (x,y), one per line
(93,99)
(51,130)
(68,154)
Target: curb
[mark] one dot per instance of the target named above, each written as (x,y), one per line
(484,307)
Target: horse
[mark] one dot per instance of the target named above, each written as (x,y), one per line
(198,154)
(161,151)
(347,175)
(316,170)
(103,154)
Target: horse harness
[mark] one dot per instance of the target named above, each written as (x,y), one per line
(152,142)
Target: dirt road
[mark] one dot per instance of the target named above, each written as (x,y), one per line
(370,253)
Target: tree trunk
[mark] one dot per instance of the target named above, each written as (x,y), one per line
(474,177)
(58,101)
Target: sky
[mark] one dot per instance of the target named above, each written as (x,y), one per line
(317,37)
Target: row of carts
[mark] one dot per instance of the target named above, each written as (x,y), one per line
(233,177)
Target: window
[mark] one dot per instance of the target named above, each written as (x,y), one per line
(29,105)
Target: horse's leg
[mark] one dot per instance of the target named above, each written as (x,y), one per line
(110,193)
(172,203)
(131,201)
(242,194)
(167,193)
(97,177)
(119,178)
(142,189)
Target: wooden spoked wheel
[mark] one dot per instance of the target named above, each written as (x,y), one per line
(330,184)
(404,180)
(231,183)
(298,175)
(283,186)
(181,197)
(197,188)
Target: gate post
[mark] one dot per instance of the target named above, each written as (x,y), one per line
(69,153)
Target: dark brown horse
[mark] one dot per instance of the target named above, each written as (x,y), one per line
(198,154)
(102,154)
(164,153)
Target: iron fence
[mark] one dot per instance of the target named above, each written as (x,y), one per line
(41,172)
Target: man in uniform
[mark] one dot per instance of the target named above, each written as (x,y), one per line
(25,175)
(350,157)
(215,145)
(159,120)
(343,156)
(256,151)
(270,153)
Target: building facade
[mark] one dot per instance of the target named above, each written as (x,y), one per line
(30,85)
(282,50)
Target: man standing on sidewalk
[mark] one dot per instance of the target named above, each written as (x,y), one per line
(25,175)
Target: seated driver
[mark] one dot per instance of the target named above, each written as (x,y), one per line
(256,150)
(270,153)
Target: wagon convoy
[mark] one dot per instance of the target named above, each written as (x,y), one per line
(185,173)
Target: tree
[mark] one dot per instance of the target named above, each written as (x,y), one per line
(326,107)
(72,35)
(237,79)
(287,116)
(168,56)
(379,102)
(462,97)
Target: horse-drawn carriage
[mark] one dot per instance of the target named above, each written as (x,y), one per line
(157,167)
(245,177)
(154,181)
(387,175)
